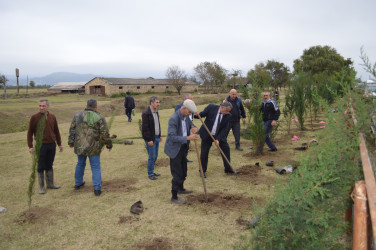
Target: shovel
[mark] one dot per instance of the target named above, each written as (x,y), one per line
(201,171)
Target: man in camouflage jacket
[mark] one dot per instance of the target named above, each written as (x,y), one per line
(88,133)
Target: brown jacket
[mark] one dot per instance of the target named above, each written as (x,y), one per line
(51,132)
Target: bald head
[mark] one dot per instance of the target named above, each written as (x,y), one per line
(233,94)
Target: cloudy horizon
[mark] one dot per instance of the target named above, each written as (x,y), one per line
(143,38)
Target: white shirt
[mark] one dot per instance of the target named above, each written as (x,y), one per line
(214,129)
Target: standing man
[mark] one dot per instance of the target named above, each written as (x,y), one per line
(236,112)
(186,97)
(270,115)
(178,136)
(129,105)
(88,133)
(218,122)
(51,136)
(151,132)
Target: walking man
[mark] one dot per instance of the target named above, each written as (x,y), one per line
(218,122)
(178,136)
(51,136)
(151,133)
(186,97)
(270,115)
(129,105)
(88,133)
(237,111)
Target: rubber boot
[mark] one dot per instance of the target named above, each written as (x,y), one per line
(50,179)
(41,183)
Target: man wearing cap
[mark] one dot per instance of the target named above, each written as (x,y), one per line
(178,134)
(186,97)
(218,122)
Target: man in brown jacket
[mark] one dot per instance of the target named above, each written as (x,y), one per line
(51,136)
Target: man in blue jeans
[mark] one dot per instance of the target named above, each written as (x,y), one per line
(88,133)
(270,115)
(151,132)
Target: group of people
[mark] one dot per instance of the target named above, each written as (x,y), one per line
(89,132)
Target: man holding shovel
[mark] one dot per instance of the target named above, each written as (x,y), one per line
(218,123)
(178,134)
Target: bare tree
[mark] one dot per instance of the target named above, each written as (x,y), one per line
(3,80)
(176,77)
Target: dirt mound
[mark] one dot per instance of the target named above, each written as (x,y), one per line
(117,186)
(156,243)
(160,163)
(127,219)
(225,201)
(38,215)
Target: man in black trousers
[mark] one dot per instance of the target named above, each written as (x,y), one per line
(218,122)
(129,105)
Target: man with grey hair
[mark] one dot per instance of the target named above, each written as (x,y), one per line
(151,132)
(186,97)
(218,123)
(88,134)
(51,136)
(178,136)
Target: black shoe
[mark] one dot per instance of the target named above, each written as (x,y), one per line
(189,160)
(185,191)
(78,187)
(239,148)
(153,178)
(97,192)
(204,174)
(178,201)
(272,150)
(155,174)
(269,163)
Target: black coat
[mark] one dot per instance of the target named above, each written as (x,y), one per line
(148,127)
(270,111)
(129,102)
(210,112)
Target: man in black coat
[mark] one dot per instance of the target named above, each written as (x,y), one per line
(237,112)
(151,132)
(129,105)
(218,122)
(270,115)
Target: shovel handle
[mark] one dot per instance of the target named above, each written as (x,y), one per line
(201,171)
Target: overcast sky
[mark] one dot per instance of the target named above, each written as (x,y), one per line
(140,38)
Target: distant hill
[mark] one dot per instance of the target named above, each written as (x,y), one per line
(51,79)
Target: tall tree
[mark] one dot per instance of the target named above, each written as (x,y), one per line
(32,84)
(321,59)
(259,76)
(279,73)
(210,74)
(3,81)
(176,77)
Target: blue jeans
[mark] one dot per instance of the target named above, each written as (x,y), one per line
(95,164)
(153,155)
(268,128)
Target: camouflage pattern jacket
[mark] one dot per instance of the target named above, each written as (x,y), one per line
(88,133)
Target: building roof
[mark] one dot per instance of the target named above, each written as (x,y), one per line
(68,86)
(138,81)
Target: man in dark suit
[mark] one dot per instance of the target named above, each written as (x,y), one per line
(151,132)
(129,105)
(218,122)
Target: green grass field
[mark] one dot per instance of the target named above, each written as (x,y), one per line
(69,219)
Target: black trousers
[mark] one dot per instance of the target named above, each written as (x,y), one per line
(205,148)
(178,167)
(46,157)
(235,126)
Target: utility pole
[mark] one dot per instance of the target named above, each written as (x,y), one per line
(27,83)
(17,75)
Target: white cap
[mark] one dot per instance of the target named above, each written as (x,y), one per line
(190,105)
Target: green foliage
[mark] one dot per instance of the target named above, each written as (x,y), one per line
(255,130)
(308,213)
(32,84)
(298,86)
(367,65)
(288,109)
(35,157)
(140,126)
(210,74)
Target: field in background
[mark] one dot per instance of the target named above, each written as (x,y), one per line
(66,218)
